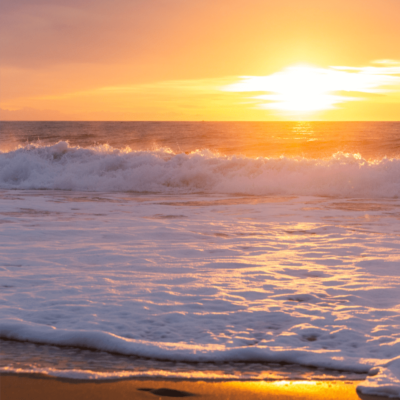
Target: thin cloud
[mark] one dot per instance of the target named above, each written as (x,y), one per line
(386,62)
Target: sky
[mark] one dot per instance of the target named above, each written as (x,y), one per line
(200,60)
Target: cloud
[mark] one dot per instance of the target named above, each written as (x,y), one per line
(384,73)
(387,62)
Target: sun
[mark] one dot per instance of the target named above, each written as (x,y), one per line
(299,88)
(302,89)
(305,89)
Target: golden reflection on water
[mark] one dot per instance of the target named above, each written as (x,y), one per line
(303,128)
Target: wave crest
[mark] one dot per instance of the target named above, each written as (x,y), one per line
(104,168)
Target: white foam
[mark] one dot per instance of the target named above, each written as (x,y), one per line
(97,340)
(383,381)
(311,281)
(151,374)
(104,168)
(154,373)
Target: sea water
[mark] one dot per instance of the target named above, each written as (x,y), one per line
(201,250)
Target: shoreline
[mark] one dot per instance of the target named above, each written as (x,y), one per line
(42,387)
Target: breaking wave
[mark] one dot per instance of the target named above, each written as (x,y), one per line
(104,168)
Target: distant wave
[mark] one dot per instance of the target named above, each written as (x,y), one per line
(104,168)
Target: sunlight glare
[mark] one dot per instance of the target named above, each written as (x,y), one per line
(302,89)
(308,89)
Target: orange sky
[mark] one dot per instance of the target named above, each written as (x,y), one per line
(181,59)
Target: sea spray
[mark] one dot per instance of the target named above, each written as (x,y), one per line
(104,168)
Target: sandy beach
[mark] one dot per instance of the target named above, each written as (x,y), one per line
(35,387)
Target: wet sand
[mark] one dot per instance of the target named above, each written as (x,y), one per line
(40,387)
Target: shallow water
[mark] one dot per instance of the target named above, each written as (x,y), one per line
(152,261)
(25,356)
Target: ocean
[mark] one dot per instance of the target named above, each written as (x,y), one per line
(201,250)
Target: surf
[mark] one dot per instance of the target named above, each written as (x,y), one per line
(104,168)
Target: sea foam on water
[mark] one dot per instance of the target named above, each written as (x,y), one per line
(204,255)
(103,168)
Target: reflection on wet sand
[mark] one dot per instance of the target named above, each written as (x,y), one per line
(36,387)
